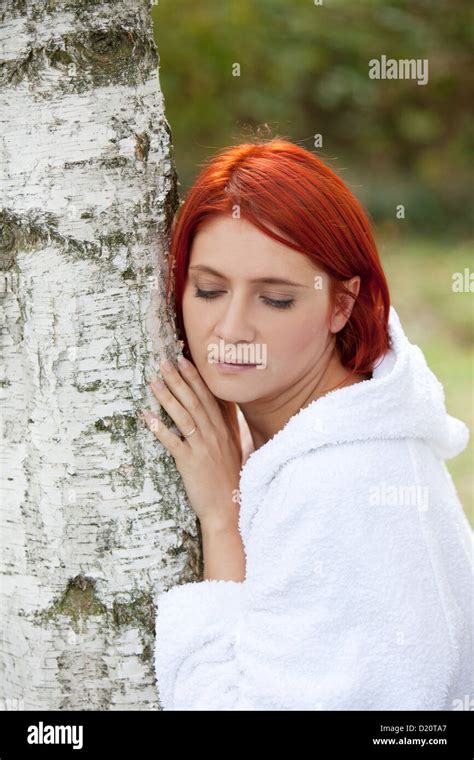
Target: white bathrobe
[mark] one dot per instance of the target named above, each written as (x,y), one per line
(359,577)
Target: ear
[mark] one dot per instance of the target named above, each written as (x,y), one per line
(345,303)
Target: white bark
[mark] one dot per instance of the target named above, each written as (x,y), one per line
(94,518)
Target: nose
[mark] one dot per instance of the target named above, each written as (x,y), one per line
(234,322)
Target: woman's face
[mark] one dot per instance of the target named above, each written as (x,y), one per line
(284,328)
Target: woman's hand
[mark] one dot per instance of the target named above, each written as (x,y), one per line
(209,460)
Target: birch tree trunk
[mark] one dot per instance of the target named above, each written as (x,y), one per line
(94,519)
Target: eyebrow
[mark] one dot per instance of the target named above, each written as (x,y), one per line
(267,280)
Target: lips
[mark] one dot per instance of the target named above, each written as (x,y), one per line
(237,364)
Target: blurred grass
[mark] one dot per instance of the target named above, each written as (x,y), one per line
(441,323)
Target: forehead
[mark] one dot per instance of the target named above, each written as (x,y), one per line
(239,250)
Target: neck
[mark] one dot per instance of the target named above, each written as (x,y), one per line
(265,417)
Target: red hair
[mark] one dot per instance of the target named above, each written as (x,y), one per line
(282,184)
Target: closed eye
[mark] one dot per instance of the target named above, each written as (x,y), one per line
(275,303)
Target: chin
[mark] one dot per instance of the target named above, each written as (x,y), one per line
(229,391)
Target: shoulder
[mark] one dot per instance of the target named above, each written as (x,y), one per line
(332,489)
(347,464)
(350,490)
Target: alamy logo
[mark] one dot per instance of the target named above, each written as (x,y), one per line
(252,353)
(467,703)
(406,68)
(42,734)
(386,495)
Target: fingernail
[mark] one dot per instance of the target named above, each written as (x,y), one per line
(184,362)
(166,365)
(158,384)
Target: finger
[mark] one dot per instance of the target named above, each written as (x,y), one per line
(161,431)
(182,418)
(188,400)
(213,405)
(194,378)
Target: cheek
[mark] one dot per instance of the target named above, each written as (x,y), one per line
(192,318)
(196,328)
(188,320)
(309,338)
(296,339)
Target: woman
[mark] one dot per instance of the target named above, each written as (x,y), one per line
(337,556)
